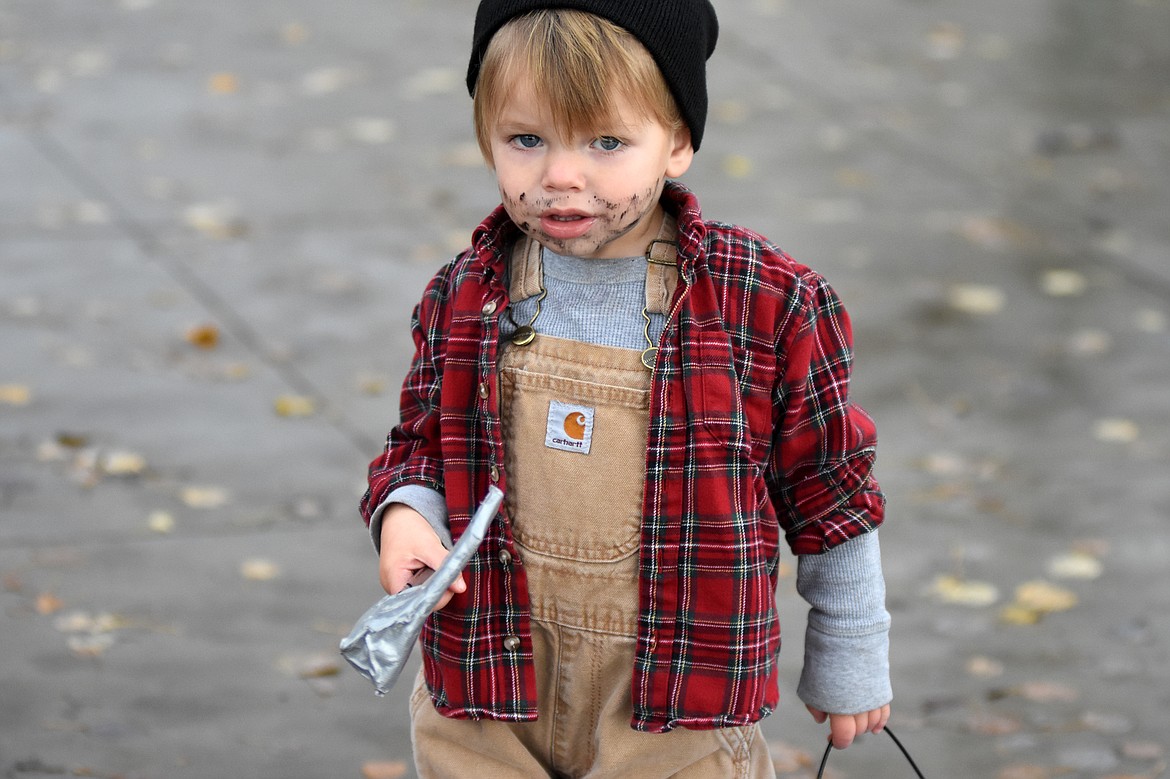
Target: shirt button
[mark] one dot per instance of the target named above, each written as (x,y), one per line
(484,390)
(494,474)
(505,558)
(512,643)
(489,308)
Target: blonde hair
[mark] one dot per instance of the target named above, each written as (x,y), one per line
(577,63)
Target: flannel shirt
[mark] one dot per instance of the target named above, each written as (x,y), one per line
(752,437)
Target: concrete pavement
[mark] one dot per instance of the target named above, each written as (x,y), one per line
(216,217)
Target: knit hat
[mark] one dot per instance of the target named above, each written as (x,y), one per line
(679,34)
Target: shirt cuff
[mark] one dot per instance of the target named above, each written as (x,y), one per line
(426,501)
(847,642)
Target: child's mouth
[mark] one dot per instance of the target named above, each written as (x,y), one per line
(565,226)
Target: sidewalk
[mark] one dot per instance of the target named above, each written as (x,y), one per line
(216,217)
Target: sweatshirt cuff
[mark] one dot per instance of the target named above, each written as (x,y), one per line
(426,501)
(846,648)
(845,674)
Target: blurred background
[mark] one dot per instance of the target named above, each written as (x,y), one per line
(216,217)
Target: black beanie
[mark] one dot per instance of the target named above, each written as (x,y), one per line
(679,34)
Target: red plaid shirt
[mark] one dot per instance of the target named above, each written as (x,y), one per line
(751,437)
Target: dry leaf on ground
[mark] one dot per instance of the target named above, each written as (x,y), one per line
(978,299)
(295,406)
(383,769)
(15,394)
(1075,565)
(223,84)
(204,497)
(952,589)
(123,463)
(48,603)
(1036,598)
(203,336)
(259,569)
(160,522)
(1116,431)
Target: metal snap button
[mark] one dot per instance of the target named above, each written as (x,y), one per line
(512,643)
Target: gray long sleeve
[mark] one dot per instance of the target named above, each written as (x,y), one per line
(846,646)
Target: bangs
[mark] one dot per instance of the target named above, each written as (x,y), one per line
(576,63)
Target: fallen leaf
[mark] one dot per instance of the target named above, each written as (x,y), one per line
(72,440)
(1116,431)
(204,497)
(47,603)
(386,769)
(215,220)
(84,622)
(1043,596)
(951,589)
(1034,599)
(259,569)
(204,336)
(1025,771)
(223,84)
(123,463)
(985,667)
(1015,614)
(295,406)
(978,299)
(1075,565)
(737,166)
(160,522)
(1063,283)
(15,394)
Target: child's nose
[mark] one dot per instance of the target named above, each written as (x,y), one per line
(563,171)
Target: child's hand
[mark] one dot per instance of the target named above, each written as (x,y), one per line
(844,728)
(411,552)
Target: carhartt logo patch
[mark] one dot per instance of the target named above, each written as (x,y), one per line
(570,427)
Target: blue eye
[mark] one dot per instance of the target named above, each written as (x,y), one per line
(608,143)
(526,141)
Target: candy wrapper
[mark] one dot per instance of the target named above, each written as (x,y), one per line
(380,642)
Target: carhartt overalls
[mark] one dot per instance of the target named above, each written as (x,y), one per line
(575,417)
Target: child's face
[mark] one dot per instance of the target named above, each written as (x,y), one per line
(591,195)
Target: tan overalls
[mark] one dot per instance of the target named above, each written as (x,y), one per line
(575,417)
